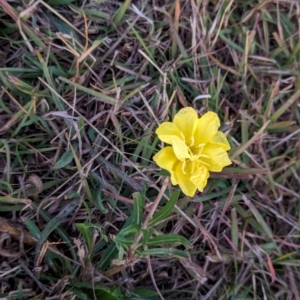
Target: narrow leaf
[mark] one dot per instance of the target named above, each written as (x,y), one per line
(55,222)
(86,233)
(131,229)
(121,11)
(137,208)
(166,210)
(101,96)
(165,252)
(64,160)
(264,226)
(147,233)
(169,239)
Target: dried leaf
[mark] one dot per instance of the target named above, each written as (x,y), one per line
(37,183)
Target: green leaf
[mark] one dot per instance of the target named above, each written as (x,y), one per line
(86,290)
(121,11)
(123,241)
(141,294)
(112,251)
(100,96)
(64,160)
(59,2)
(169,239)
(121,252)
(98,201)
(109,253)
(165,252)
(61,231)
(137,208)
(55,222)
(20,291)
(131,229)
(99,227)
(11,208)
(80,294)
(97,14)
(264,226)
(33,229)
(147,233)
(166,210)
(86,233)
(36,233)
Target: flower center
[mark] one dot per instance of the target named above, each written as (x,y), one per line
(196,153)
(195,157)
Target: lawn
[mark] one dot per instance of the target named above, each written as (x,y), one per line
(85,211)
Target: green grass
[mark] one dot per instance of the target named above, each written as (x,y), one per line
(84,211)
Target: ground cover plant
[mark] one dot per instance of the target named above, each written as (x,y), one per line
(85,212)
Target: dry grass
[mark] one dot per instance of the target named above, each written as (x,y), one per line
(84,85)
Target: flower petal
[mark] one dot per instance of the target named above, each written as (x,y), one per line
(166,130)
(220,139)
(166,159)
(217,157)
(206,128)
(199,177)
(183,179)
(185,120)
(181,150)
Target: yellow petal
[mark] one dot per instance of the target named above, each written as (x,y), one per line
(183,179)
(206,128)
(166,130)
(181,150)
(173,179)
(220,139)
(217,157)
(166,159)
(185,120)
(199,177)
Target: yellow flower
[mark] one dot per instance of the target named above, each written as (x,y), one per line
(197,147)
